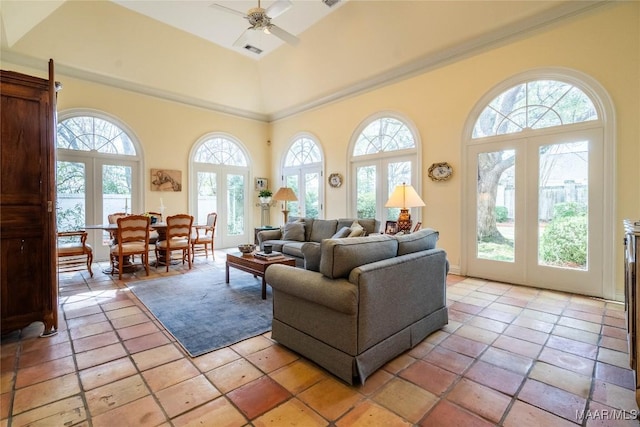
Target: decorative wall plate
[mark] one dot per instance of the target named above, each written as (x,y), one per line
(335,180)
(440,171)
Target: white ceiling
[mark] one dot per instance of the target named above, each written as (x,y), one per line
(199,18)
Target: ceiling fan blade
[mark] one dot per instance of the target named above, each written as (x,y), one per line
(228,10)
(282,34)
(278,8)
(243,40)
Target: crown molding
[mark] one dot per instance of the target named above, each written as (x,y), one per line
(61,68)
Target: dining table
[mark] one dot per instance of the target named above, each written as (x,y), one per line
(127,265)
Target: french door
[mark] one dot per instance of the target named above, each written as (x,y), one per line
(375,180)
(226,193)
(535,213)
(306,183)
(89,189)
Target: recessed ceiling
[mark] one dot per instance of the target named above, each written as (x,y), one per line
(223,28)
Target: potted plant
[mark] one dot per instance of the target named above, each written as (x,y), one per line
(265,196)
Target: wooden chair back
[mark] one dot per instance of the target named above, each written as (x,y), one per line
(73,251)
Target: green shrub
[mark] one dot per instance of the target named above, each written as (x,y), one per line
(502,214)
(569,209)
(564,241)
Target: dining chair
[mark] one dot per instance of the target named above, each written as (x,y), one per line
(132,238)
(74,253)
(203,236)
(153,234)
(178,239)
(113,219)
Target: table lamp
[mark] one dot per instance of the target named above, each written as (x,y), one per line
(404,197)
(285,194)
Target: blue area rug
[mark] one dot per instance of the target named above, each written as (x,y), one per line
(204,313)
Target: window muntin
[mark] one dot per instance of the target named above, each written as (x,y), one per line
(221,151)
(384,134)
(88,133)
(534,105)
(303,151)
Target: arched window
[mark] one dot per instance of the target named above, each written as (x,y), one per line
(533,204)
(220,173)
(384,154)
(302,172)
(98,172)
(536,104)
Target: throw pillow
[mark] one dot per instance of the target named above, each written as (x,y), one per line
(294,231)
(356,230)
(343,232)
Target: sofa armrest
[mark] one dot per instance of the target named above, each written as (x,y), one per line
(336,294)
(311,252)
(265,235)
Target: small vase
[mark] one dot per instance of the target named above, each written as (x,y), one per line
(265,200)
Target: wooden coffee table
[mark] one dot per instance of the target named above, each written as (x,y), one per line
(255,266)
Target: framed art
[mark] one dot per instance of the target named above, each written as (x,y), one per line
(262,184)
(166,180)
(391,227)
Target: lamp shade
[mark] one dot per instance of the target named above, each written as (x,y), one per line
(285,194)
(404,196)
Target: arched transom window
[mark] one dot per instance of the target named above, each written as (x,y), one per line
(534,105)
(384,134)
(220,151)
(85,133)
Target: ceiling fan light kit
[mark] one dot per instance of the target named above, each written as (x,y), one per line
(260,19)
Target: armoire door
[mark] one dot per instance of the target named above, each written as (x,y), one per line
(27,225)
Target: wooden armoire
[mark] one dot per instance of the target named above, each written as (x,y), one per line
(632,295)
(27,202)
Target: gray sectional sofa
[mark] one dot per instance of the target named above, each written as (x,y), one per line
(372,299)
(291,238)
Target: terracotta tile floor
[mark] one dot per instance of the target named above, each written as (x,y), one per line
(510,356)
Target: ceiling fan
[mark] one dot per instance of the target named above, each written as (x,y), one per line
(260,19)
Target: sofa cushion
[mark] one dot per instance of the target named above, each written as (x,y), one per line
(340,256)
(294,231)
(308,225)
(419,241)
(323,229)
(343,232)
(293,249)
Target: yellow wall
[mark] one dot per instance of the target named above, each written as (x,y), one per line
(168,132)
(603,44)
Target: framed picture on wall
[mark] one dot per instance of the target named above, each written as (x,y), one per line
(391,227)
(166,180)
(262,184)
